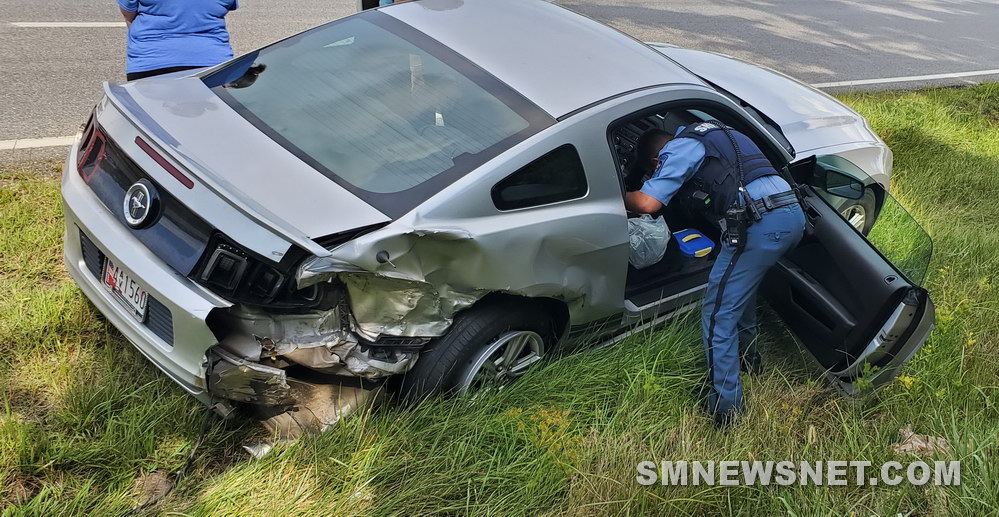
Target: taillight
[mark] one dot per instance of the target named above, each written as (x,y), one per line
(224,268)
(241,276)
(92,154)
(264,282)
(85,142)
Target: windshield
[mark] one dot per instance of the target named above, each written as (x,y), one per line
(378,107)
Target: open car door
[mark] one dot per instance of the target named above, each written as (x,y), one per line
(853,301)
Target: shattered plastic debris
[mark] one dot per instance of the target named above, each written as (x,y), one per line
(917,444)
(260,449)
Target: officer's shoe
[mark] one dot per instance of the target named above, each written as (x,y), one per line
(726,419)
(723,419)
(751,364)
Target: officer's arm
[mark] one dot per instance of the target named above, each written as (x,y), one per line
(678,161)
(641,203)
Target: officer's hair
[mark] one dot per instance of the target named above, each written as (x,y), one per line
(648,140)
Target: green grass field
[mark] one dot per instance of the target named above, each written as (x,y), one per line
(87,425)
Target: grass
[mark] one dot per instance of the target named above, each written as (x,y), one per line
(85,421)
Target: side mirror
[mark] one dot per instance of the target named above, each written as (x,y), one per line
(839,183)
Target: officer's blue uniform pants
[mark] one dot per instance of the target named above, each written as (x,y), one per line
(730,300)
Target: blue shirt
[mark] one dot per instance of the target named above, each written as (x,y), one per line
(680,158)
(169,33)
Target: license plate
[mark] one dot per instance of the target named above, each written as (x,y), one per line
(127,291)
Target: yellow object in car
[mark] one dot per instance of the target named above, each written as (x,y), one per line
(694,244)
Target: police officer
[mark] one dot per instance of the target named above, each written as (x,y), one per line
(715,163)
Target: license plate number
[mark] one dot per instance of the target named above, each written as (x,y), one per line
(127,291)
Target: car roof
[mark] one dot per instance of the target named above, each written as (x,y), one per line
(558,59)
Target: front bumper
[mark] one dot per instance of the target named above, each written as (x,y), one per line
(177,339)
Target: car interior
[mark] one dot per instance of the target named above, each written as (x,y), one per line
(676,272)
(834,290)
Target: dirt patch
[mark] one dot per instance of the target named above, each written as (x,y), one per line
(20,489)
(150,486)
(30,404)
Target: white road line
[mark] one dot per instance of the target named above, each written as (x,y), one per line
(51,25)
(58,141)
(35,143)
(906,79)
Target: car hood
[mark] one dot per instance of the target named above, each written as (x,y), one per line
(245,167)
(809,118)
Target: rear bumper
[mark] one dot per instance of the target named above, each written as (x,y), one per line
(178,339)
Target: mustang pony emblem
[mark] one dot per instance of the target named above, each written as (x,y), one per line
(138,204)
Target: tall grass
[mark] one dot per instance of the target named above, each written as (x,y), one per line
(84,419)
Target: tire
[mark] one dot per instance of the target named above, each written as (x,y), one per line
(863,212)
(450,362)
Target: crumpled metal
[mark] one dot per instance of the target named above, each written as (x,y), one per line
(411,284)
(325,341)
(338,353)
(396,307)
(234,378)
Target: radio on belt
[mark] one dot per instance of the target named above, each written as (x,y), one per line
(693,243)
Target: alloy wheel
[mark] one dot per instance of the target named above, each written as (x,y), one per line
(856,215)
(505,359)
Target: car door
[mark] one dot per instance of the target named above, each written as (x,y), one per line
(853,301)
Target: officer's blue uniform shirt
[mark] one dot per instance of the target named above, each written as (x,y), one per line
(169,33)
(680,158)
(728,314)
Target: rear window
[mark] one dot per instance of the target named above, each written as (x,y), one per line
(378,107)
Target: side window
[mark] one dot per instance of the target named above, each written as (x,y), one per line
(874,213)
(556,176)
(624,134)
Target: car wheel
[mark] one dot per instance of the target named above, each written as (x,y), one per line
(862,212)
(485,349)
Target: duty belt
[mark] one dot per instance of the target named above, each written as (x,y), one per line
(768,203)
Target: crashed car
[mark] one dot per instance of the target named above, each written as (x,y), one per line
(431,193)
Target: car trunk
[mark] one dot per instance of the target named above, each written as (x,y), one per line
(224,153)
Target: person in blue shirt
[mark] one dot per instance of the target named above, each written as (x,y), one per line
(371,4)
(167,36)
(714,157)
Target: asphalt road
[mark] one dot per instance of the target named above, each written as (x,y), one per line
(50,77)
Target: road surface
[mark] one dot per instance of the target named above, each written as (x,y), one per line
(56,54)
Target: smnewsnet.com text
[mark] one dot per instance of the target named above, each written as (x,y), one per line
(818,473)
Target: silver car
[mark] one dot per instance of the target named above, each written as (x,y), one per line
(431,194)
